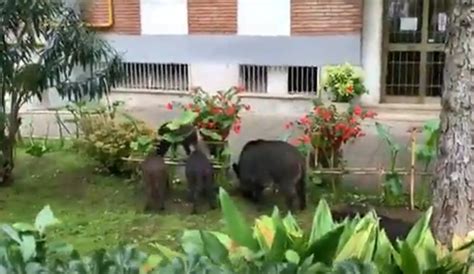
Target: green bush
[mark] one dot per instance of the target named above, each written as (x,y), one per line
(274,244)
(109,139)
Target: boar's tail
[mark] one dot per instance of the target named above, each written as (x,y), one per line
(301,187)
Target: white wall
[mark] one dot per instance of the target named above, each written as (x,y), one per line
(213,77)
(164,16)
(264,17)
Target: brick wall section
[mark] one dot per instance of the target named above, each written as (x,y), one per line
(320,17)
(126,15)
(212,16)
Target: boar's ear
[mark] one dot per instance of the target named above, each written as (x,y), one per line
(235,167)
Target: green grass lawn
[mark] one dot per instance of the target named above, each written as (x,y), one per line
(102,211)
(98,210)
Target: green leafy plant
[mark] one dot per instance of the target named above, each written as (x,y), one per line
(427,152)
(393,186)
(41,46)
(274,244)
(108,138)
(343,82)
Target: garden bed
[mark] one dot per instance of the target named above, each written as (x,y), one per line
(99,210)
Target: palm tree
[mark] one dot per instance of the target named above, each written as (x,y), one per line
(42,42)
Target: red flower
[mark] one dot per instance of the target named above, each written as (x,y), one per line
(305,139)
(240,89)
(305,120)
(216,110)
(169,106)
(295,142)
(357,110)
(247,107)
(289,125)
(350,89)
(237,128)
(210,125)
(230,111)
(370,114)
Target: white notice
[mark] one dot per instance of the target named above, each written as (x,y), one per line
(442,21)
(408,23)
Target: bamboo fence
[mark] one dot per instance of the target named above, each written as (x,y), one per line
(411,171)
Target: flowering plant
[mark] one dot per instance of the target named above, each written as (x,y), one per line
(216,114)
(344,82)
(326,130)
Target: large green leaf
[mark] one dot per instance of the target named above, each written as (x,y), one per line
(324,249)
(236,226)
(211,134)
(292,257)
(384,251)
(214,249)
(420,228)
(409,262)
(361,242)
(384,133)
(355,266)
(168,253)
(44,219)
(187,117)
(28,247)
(322,221)
(191,242)
(11,233)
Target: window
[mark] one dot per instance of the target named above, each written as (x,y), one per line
(156,76)
(254,78)
(302,80)
(264,17)
(164,16)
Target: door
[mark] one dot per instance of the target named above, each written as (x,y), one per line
(413,56)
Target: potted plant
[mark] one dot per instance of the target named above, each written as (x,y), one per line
(343,83)
(216,115)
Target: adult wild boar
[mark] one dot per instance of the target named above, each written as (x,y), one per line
(263,162)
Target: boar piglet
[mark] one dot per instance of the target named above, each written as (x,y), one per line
(200,177)
(156,180)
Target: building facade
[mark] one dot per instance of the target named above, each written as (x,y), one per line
(277,48)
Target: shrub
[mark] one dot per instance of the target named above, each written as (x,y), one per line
(343,82)
(109,138)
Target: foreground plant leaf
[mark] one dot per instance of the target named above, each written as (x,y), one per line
(322,221)
(236,226)
(44,219)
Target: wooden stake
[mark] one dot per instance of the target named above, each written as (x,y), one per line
(412,170)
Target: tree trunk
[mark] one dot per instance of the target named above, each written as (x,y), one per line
(453,188)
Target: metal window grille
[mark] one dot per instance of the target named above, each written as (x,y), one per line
(403,73)
(435,73)
(152,76)
(303,80)
(254,78)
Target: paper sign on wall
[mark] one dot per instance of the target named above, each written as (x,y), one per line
(442,21)
(408,23)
